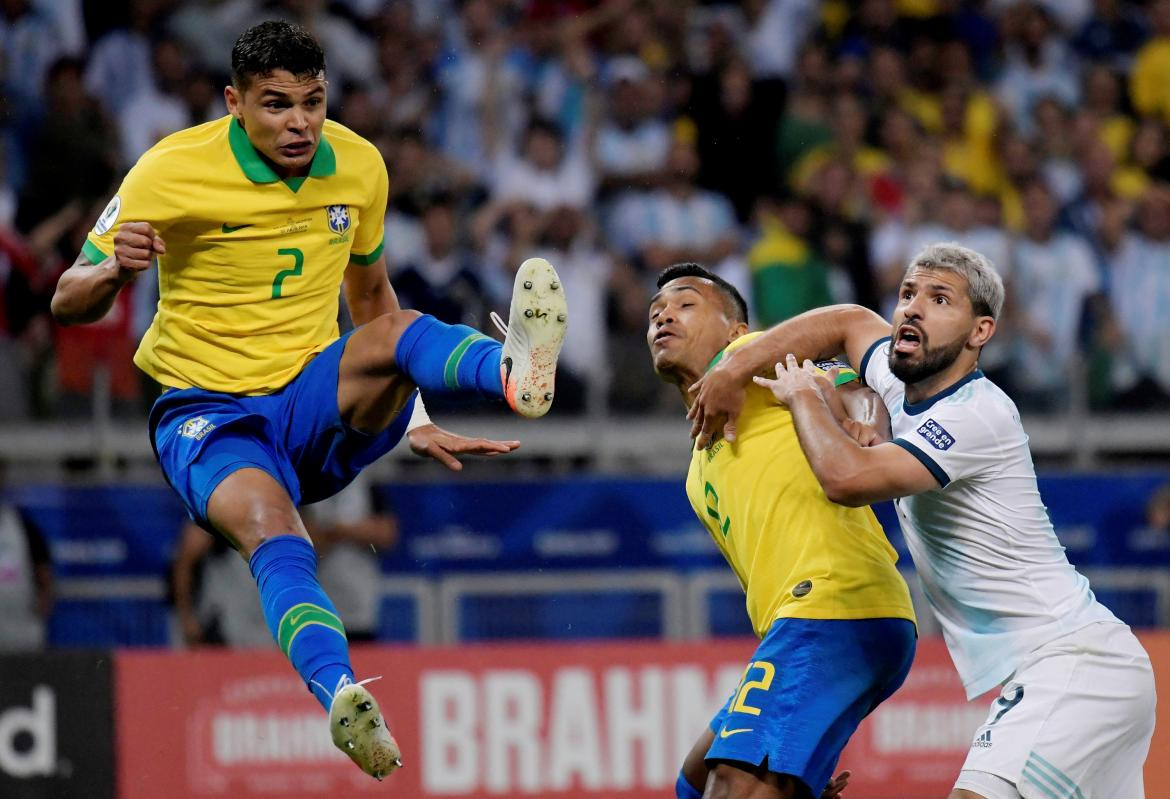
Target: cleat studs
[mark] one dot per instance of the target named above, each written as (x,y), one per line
(349,745)
(528,312)
(398,762)
(344,722)
(364,706)
(527,284)
(554,285)
(560,317)
(548,396)
(526,397)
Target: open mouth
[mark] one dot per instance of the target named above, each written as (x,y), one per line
(908,340)
(296,148)
(663,335)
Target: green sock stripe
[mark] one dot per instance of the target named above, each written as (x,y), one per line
(451,370)
(306,614)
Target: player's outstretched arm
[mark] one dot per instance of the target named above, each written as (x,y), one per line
(819,333)
(851,474)
(86,290)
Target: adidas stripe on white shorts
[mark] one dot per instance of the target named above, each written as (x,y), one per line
(1073,722)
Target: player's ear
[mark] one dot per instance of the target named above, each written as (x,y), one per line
(232,97)
(737,330)
(982,332)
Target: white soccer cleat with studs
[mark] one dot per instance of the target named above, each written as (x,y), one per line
(532,338)
(358,729)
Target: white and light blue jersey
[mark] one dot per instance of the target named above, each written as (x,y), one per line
(990,563)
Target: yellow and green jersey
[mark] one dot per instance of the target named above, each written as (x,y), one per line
(249,285)
(797,554)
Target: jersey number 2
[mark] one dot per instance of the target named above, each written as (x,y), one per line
(298,262)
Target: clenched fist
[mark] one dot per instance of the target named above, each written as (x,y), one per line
(135,246)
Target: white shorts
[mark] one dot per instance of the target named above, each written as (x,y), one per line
(1074,721)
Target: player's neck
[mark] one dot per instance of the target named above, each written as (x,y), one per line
(683,380)
(939,382)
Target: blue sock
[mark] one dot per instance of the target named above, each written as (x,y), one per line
(302,619)
(445,358)
(684,790)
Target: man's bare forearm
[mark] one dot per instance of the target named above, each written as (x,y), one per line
(86,291)
(820,333)
(835,458)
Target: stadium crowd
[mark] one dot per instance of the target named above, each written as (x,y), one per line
(803,149)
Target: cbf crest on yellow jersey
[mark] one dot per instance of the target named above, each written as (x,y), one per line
(797,554)
(249,284)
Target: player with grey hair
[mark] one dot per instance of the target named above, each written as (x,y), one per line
(1074,715)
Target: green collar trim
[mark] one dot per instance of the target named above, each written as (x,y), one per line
(257,170)
(718,357)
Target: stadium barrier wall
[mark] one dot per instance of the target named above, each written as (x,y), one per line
(56,726)
(567,720)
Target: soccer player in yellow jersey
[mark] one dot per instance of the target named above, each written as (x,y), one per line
(257,220)
(823,593)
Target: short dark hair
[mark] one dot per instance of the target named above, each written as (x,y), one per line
(733,302)
(273,45)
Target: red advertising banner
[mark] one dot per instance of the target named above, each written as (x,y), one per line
(548,720)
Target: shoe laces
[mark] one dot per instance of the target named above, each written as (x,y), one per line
(342,683)
(499,323)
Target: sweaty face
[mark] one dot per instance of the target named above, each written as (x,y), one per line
(283,115)
(689,326)
(932,324)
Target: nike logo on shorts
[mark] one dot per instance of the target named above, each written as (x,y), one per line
(229,229)
(726,733)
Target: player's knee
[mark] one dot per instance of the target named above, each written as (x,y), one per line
(729,782)
(390,326)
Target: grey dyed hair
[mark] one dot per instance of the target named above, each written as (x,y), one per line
(984,285)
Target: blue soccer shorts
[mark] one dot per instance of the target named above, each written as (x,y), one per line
(295,434)
(805,691)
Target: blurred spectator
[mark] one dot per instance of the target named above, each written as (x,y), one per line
(546,174)
(1111,35)
(804,125)
(351,56)
(1102,107)
(1054,277)
(158,109)
(1037,65)
(632,144)
(776,29)
(678,222)
(444,278)
(121,66)
(1148,88)
(95,361)
(29,44)
(477,51)
(850,124)
(214,595)
(1098,202)
(968,120)
(1139,285)
(26,579)
(840,230)
(72,151)
(788,276)
(736,121)
(24,328)
(209,28)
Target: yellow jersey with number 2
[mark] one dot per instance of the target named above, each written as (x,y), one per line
(249,284)
(796,554)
